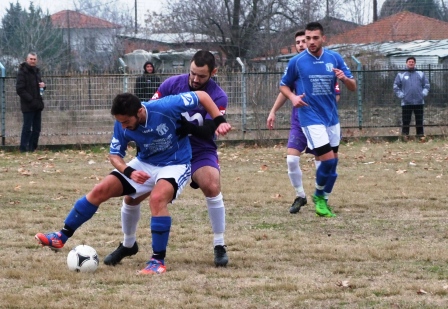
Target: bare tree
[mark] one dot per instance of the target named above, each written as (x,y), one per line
(241,28)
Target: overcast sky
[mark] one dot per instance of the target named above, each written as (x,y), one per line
(54,6)
(143,6)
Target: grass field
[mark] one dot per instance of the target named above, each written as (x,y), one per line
(387,247)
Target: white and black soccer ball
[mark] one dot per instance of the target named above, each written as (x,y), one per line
(83,259)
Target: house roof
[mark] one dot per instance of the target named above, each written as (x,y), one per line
(403,26)
(170,38)
(72,19)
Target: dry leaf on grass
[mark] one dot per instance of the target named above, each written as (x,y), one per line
(401,171)
(276,196)
(344,284)
(422,292)
(24,172)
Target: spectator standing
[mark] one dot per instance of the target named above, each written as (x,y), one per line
(146,85)
(411,86)
(29,87)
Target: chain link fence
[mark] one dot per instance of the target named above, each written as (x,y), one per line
(77,106)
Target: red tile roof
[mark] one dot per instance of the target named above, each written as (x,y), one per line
(72,19)
(403,26)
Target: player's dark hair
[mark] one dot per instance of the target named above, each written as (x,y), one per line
(299,33)
(409,58)
(204,57)
(125,104)
(315,26)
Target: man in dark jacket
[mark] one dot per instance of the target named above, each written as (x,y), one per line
(146,85)
(29,87)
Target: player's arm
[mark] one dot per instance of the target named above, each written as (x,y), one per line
(296,100)
(205,131)
(118,162)
(350,83)
(279,102)
(222,127)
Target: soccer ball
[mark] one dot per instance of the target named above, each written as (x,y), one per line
(83,259)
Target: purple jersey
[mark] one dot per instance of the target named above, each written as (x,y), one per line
(178,84)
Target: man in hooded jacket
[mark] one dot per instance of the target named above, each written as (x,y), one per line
(146,85)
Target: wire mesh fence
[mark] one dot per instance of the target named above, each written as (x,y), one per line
(77,106)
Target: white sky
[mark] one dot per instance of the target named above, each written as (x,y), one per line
(54,6)
(143,6)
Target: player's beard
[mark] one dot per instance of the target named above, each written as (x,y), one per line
(201,86)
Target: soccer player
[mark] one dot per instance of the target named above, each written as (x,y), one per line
(297,143)
(205,171)
(313,74)
(160,170)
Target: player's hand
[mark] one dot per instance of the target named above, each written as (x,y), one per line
(298,101)
(270,121)
(140,176)
(223,128)
(340,74)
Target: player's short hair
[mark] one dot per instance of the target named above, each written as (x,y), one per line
(299,33)
(204,57)
(411,58)
(315,26)
(125,104)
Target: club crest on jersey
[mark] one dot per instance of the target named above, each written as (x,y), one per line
(329,67)
(187,98)
(115,144)
(162,129)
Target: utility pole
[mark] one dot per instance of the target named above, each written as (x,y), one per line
(375,10)
(135,18)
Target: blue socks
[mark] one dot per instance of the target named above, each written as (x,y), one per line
(81,212)
(323,173)
(160,231)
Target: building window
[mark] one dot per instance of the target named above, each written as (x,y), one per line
(89,44)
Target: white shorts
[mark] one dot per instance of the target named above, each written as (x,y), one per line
(180,173)
(319,135)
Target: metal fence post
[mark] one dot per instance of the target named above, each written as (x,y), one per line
(359,90)
(2,102)
(244,95)
(123,68)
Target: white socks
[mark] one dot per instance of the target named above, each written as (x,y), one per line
(129,221)
(217,215)
(295,174)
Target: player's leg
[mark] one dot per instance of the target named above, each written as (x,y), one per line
(319,141)
(297,144)
(334,135)
(84,209)
(418,112)
(130,215)
(170,182)
(206,176)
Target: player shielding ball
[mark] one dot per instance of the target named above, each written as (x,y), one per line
(161,169)
(205,169)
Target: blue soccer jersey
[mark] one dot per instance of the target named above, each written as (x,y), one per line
(159,145)
(178,84)
(314,77)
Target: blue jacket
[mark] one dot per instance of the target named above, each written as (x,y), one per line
(411,87)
